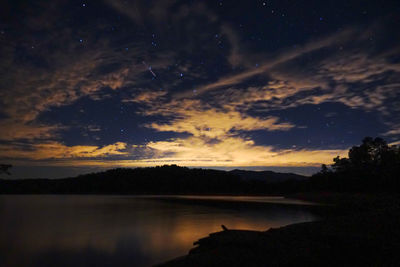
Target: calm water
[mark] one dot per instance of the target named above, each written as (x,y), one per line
(126,230)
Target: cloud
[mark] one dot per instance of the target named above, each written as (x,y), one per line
(192,151)
(29,95)
(141,13)
(235,57)
(12,130)
(274,61)
(93,128)
(87,61)
(211,123)
(337,73)
(340,68)
(396,143)
(146,97)
(55,78)
(234,151)
(160,13)
(55,150)
(395,130)
(212,108)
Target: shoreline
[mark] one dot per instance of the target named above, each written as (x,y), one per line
(361,229)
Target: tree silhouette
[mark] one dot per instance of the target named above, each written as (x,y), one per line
(324,169)
(373,156)
(4,168)
(373,164)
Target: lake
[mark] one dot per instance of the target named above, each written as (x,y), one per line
(97,230)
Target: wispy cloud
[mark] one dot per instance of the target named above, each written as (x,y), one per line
(268,63)
(346,70)
(14,130)
(55,150)
(145,97)
(81,67)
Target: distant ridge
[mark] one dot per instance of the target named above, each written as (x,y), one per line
(167,179)
(267,176)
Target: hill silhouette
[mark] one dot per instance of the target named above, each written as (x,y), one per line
(167,179)
(268,176)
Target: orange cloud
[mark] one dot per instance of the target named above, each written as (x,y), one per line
(146,97)
(54,150)
(11,130)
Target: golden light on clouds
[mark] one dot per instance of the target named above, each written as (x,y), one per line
(215,124)
(235,151)
(192,114)
(214,141)
(192,151)
(56,150)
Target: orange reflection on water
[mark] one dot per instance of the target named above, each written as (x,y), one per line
(54,230)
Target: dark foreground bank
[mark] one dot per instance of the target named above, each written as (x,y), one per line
(359,230)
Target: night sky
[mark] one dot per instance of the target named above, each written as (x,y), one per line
(279,85)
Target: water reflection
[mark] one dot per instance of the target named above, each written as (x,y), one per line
(119,230)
